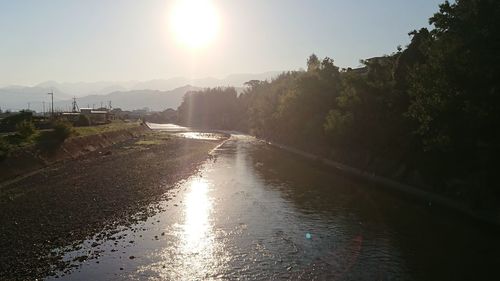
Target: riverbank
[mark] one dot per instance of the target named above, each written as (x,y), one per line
(29,159)
(74,199)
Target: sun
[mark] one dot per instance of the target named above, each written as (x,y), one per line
(194,23)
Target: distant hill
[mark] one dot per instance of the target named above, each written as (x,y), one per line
(136,99)
(18,97)
(80,89)
(129,95)
(234,80)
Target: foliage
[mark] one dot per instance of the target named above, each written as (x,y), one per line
(431,106)
(5,149)
(211,108)
(455,91)
(50,140)
(25,129)
(62,130)
(8,124)
(83,121)
(167,116)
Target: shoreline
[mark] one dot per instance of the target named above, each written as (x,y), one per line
(29,161)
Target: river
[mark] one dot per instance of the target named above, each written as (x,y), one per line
(254,212)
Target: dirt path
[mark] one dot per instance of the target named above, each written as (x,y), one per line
(70,201)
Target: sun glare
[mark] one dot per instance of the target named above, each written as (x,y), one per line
(194,23)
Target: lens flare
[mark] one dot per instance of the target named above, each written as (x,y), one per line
(194,23)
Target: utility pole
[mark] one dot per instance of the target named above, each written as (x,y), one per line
(110,107)
(29,106)
(74,105)
(52,103)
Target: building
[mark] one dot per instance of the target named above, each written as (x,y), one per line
(96,117)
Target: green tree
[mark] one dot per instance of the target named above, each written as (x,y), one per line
(313,63)
(455,92)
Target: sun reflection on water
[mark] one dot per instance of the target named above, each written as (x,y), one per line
(197,232)
(191,252)
(196,239)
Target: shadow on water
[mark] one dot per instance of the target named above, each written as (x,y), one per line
(428,243)
(258,213)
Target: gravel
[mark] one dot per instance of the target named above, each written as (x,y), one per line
(71,201)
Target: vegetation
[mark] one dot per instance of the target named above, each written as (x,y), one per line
(212,108)
(8,124)
(5,149)
(113,126)
(167,116)
(25,129)
(23,136)
(83,121)
(427,114)
(49,140)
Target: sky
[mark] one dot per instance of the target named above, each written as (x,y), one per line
(129,40)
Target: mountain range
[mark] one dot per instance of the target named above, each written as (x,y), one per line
(135,99)
(155,94)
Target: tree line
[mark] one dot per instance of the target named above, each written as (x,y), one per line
(427,114)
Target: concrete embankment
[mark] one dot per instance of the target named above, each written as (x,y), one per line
(428,198)
(26,161)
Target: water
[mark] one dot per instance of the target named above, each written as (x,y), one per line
(167,127)
(257,213)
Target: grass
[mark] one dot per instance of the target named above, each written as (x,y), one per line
(148,142)
(14,141)
(153,138)
(114,126)
(44,138)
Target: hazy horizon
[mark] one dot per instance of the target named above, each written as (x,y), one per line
(92,41)
(136,81)
(18,97)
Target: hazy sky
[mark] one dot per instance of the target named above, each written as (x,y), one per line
(119,40)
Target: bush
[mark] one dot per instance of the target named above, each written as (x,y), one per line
(62,130)
(82,121)
(25,129)
(49,141)
(5,148)
(9,124)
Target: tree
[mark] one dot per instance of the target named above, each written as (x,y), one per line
(211,108)
(455,93)
(313,63)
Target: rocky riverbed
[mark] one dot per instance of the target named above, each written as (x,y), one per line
(43,214)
